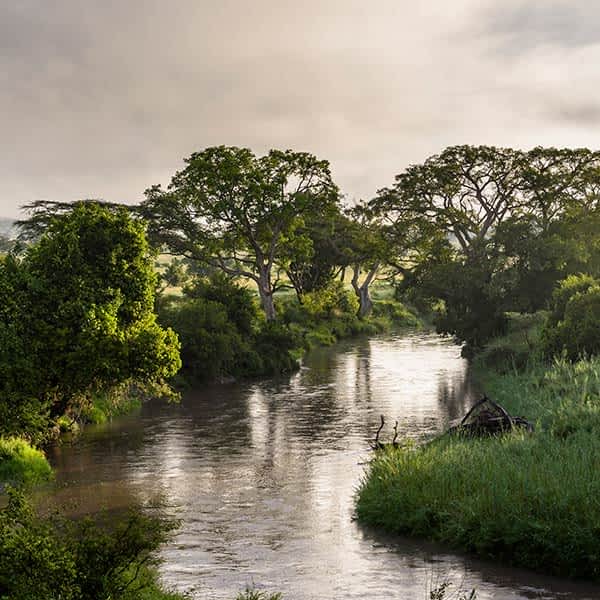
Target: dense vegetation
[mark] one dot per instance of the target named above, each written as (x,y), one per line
(77,317)
(57,558)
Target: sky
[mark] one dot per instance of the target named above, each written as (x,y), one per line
(104,98)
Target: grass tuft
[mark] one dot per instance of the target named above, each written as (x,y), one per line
(21,463)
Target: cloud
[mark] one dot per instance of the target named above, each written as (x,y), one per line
(106,98)
(525,24)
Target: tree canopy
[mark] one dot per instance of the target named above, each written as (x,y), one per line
(79,311)
(235,211)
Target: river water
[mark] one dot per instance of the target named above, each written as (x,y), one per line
(262,476)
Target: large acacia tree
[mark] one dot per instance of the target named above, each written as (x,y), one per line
(462,194)
(237,212)
(467,191)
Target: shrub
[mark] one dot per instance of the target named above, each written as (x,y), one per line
(209,339)
(238,302)
(519,346)
(332,301)
(57,559)
(278,347)
(574,323)
(396,312)
(566,289)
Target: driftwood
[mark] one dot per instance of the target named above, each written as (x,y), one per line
(487,417)
(377,445)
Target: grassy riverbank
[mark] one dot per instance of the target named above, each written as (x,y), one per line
(529,500)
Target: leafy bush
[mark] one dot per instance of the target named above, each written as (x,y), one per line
(574,323)
(58,559)
(238,302)
(21,463)
(519,346)
(396,312)
(209,340)
(567,289)
(278,347)
(332,301)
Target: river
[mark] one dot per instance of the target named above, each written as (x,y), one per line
(262,476)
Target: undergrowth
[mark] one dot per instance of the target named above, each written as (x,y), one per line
(21,463)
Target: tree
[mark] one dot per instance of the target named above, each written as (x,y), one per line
(556,179)
(87,307)
(366,249)
(42,213)
(234,211)
(312,258)
(466,191)
(460,197)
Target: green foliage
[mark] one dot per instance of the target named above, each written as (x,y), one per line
(277,345)
(76,316)
(34,561)
(104,404)
(574,322)
(54,558)
(473,306)
(396,312)
(21,463)
(493,230)
(519,346)
(222,335)
(313,254)
(210,342)
(92,303)
(332,301)
(237,301)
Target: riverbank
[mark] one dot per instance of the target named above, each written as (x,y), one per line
(528,500)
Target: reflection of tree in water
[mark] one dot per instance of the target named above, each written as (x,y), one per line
(362,381)
(456,394)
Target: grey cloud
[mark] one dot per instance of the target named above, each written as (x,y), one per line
(526,23)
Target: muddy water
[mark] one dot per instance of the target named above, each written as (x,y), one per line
(262,476)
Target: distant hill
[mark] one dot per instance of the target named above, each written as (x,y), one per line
(7,227)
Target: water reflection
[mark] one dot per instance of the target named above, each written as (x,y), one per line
(262,476)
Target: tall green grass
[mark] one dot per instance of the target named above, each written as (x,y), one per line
(21,463)
(528,499)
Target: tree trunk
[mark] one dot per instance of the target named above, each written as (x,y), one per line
(362,290)
(265,292)
(366,304)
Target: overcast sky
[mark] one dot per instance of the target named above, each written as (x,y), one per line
(102,98)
